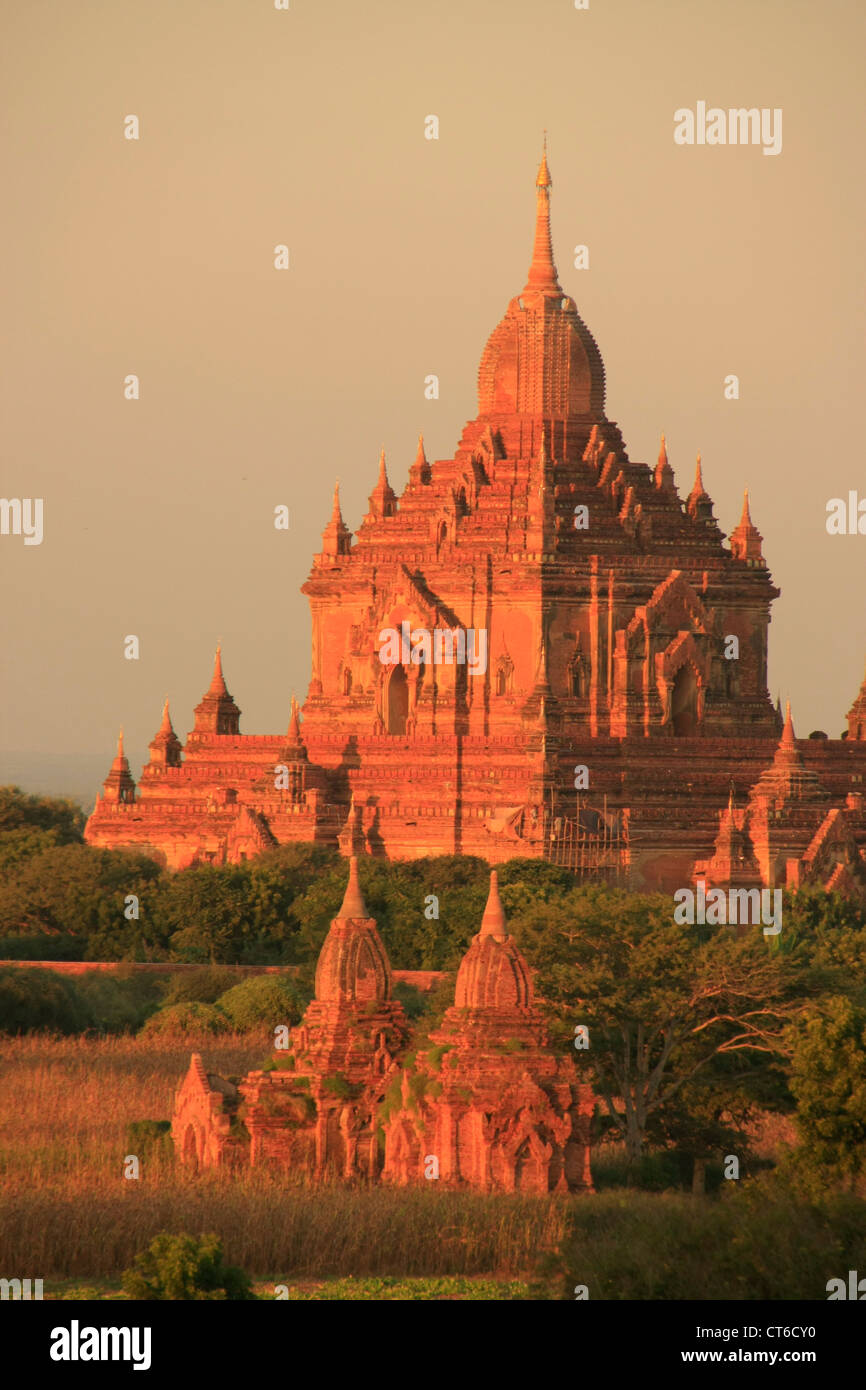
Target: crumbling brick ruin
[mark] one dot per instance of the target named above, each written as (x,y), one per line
(487,1106)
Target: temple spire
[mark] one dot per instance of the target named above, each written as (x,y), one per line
(664,474)
(217,712)
(294,722)
(746,539)
(700,504)
(383,501)
(353,899)
(419,473)
(218,685)
(542,271)
(493,922)
(165,748)
(787,740)
(336,537)
(119,786)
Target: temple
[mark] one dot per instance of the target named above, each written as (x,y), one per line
(538,649)
(487,1105)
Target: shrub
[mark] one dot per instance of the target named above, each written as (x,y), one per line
(410,997)
(262,1001)
(202,986)
(40,1000)
(42,946)
(337,1085)
(180,1019)
(144,1135)
(118,1002)
(183,1267)
(760,1241)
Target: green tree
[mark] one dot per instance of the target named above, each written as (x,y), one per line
(206,913)
(79,891)
(662,1002)
(829,1082)
(19,811)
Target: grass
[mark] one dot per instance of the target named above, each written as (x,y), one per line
(67,1212)
(68,1216)
(445,1288)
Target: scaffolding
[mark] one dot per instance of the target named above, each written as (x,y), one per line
(592,844)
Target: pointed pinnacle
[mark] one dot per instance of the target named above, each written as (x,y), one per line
(493,922)
(353,900)
(788,731)
(218,685)
(746,518)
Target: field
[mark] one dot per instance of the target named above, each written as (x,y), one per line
(68,1214)
(69,1217)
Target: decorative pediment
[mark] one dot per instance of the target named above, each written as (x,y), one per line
(674,605)
(681,651)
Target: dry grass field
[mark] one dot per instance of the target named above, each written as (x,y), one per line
(68,1213)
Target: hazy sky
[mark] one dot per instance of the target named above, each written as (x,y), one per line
(258,387)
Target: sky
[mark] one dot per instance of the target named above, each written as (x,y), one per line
(259,387)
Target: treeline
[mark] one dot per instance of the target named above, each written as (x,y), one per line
(686,1033)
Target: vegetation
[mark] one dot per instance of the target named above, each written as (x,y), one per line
(183,1267)
(762,1240)
(694,1033)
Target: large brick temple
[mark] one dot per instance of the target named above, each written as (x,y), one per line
(539,649)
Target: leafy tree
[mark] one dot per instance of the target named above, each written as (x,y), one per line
(206,913)
(19,811)
(185,1267)
(18,845)
(829,1082)
(396,895)
(81,892)
(662,1002)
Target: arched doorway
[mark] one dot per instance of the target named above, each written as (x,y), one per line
(189,1150)
(397,701)
(684,702)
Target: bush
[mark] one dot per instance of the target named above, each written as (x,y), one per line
(183,1267)
(262,1001)
(410,997)
(144,1136)
(759,1241)
(40,1000)
(118,1002)
(181,1019)
(202,986)
(42,946)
